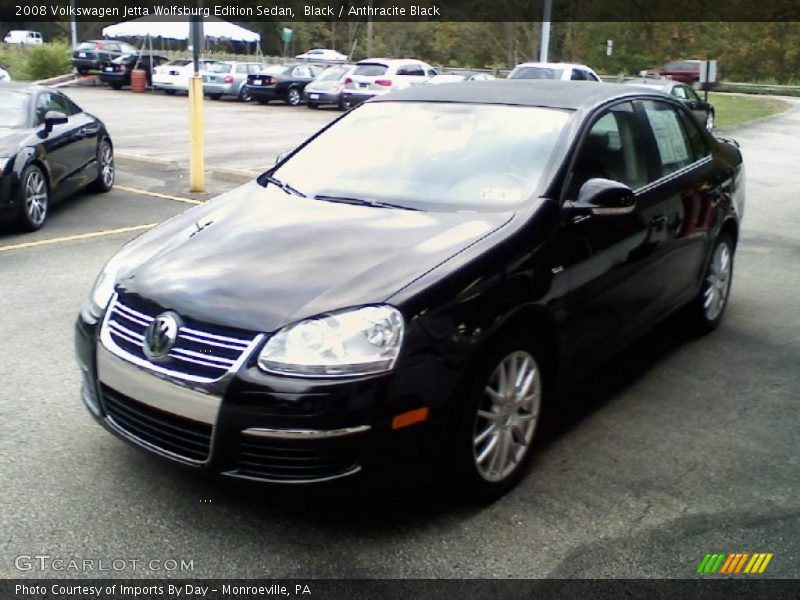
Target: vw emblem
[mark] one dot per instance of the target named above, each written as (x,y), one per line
(160,336)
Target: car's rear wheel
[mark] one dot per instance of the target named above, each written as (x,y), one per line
(293,97)
(709,305)
(105,162)
(498,420)
(35,198)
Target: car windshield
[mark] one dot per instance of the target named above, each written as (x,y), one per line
(430,156)
(178,63)
(87,46)
(14,109)
(370,70)
(333,74)
(536,73)
(219,68)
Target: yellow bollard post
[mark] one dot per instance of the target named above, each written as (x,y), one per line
(196,135)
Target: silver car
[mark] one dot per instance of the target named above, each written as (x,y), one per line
(327,87)
(228,78)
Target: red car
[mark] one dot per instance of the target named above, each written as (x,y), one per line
(685,71)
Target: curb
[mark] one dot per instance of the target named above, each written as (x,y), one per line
(218,173)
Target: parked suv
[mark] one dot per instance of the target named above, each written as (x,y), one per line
(379,76)
(96,54)
(559,71)
(23,37)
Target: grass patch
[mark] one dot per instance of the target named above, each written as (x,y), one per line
(736,110)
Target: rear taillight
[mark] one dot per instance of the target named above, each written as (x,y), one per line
(348,80)
(118,67)
(100,45)
(336,87)
(383,82)
(228,78)
(269,81)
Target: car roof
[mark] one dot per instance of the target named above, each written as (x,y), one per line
(657,84)
(390,61)
(16,86)
(554,65)
(571,95)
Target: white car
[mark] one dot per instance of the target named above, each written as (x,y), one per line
(24,37)
(4,76)
(547,70)
(174,76)
(322,55)
(379,76)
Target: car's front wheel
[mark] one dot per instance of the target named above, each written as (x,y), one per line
(709,305)
(35,198)
(293,97)
(105,163)
(498,420)
(243,95)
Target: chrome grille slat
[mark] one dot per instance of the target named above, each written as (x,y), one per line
(197,355)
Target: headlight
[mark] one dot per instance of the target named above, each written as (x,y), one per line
(357,341)
(102,291)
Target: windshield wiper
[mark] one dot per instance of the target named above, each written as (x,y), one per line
(362,202)
(283,185)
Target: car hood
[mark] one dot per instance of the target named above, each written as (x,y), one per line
(11,140)
(257,258)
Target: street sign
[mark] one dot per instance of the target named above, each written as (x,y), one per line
(609,47)
(287,34)
(708,71)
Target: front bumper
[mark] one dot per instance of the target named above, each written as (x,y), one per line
(261,427)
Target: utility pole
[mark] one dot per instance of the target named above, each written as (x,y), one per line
(544,49)
(196,137)
(73,27)
(369,31)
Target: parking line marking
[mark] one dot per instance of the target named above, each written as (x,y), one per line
(72,238)
(125,188)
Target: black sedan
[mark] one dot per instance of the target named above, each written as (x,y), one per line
(424,304)
(49,149)
(281,83)
(117,73)
(95,54)
(702,110)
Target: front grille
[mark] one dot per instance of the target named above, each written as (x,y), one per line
(297,460)
(183,437)
(201,353)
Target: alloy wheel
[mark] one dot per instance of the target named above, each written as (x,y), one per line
(36,197)
(107,165)
(294,97)
(507,416)
(718,281)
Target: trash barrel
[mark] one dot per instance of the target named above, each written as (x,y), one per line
(138,81)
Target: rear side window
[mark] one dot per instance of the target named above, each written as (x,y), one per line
(697,142)
(220,68)
(413,70)
(241,68)
(301,72)
(679,92)
(370,70)
(672,142)
(536,73)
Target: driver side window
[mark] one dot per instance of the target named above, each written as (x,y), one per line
(48,101)
(612,149)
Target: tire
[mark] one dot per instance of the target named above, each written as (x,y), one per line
(243,96)
(105,161)
(710,120)
(345,104)
(708,307)
(487,454)
(34,198)
(215,96)
(294,97)
(342,105)
(312,105)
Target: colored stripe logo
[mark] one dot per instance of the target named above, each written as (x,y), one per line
(734,563)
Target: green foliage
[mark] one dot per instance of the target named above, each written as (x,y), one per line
(33,63)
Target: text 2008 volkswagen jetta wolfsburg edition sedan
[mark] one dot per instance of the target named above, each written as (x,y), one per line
(418,301)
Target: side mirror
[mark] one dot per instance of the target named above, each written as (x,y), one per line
(605,197)
(52,118)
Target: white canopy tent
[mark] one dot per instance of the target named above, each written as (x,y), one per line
(213,28)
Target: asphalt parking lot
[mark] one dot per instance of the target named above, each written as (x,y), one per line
(677,448)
